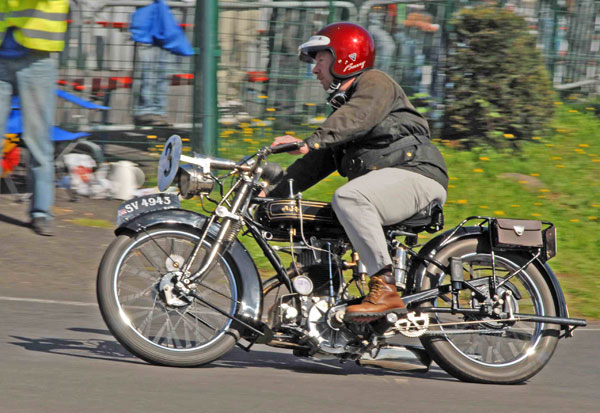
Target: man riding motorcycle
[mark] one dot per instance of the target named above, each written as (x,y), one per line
(377,139)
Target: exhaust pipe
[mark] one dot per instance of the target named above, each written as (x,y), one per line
(402,358)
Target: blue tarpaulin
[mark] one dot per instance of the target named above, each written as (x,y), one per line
(15,121)
(154,24)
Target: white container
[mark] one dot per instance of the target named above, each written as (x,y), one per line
(126,178)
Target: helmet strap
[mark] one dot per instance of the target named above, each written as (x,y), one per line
(334,86)
(337,93)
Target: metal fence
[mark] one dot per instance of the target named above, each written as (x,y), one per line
(260,81)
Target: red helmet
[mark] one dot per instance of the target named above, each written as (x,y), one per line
(352,47)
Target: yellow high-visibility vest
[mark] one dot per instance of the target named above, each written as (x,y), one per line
(40,24)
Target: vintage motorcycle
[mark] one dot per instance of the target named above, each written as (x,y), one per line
(178,288)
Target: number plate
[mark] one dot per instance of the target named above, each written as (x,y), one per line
(135,207)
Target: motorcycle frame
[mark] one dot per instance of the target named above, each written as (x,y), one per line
(231,220)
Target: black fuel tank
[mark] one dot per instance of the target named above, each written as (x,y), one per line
(318,218)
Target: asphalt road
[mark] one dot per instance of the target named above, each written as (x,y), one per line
(56,354)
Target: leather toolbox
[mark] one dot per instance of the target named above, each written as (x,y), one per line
(517,233)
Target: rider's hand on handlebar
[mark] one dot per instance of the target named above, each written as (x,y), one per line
(280,140)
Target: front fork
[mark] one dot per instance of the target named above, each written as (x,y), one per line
(231,223)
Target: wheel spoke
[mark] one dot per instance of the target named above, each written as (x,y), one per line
(164,318)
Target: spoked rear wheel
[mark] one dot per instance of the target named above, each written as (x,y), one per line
(478,348)
(145,311)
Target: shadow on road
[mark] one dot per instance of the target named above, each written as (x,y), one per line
(13,221)
(89,348)
(111,350)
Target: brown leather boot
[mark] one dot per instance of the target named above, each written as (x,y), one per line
(382,299)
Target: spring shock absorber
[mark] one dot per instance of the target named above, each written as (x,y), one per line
(399,263)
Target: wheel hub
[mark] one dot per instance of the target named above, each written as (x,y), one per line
(169,293)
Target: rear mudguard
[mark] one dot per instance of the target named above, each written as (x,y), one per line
(430,250)
(250,308)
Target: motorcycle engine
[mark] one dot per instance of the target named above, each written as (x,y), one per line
(323,269)
(325,330)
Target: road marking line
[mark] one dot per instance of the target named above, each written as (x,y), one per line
(42,301)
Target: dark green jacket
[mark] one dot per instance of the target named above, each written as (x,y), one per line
(377,128)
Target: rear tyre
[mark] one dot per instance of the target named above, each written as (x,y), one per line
(147,315)
(484,350)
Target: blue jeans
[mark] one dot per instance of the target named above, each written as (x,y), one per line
(33,78)
(153,81)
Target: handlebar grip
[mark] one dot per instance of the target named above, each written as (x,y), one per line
(287,147)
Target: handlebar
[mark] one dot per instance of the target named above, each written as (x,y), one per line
(287,147)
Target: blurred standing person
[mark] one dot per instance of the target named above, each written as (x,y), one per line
(150,107)
(30,30)
(156,33)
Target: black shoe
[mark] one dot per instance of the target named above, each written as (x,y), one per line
(151,120)
(42,226)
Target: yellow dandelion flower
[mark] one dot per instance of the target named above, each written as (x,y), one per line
(534,174)
(596,160)
(579,150)
(509,135)
(484,158)
(289,132)
(151,136)
(536,138)
(558,103)
(451,186)
(522,182)
(478,170)
(592,218)
(270,109)
(461,201)
(584,145)
(574,220)
(535,214)
(544,190)
(515,206)
(588,108)
(263,97)
(499,212)
(483,206)
(556,158)
(595,206)
(573,111)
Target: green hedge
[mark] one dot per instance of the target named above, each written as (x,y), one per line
(500,91)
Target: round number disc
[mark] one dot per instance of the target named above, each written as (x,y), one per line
(168,164)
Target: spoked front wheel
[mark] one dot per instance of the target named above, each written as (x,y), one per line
(478,348)
(147,313)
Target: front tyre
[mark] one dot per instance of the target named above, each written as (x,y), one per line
(144,310)
(480,349)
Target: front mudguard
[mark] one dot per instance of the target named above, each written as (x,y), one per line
(435,249)
(250,308)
